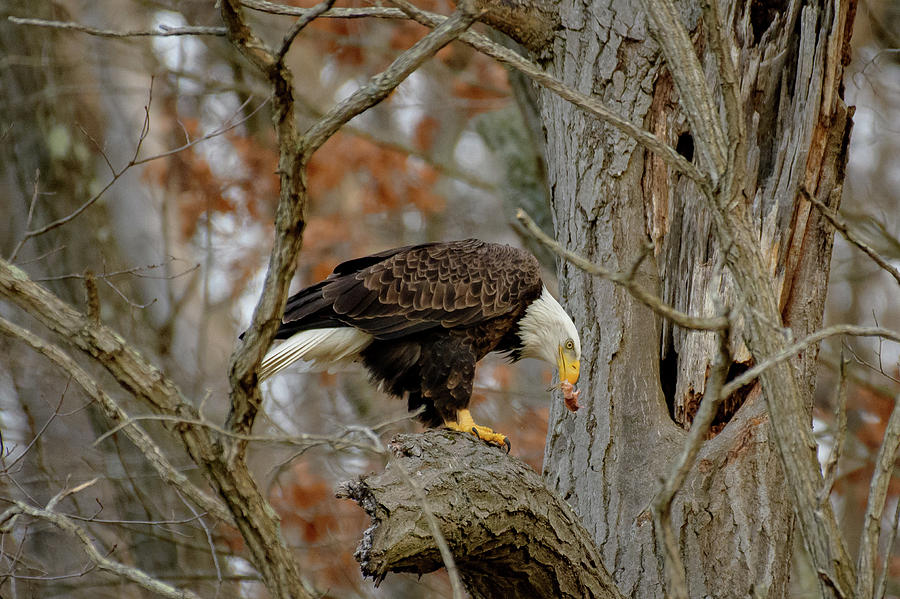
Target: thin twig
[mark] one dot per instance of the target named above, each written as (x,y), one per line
(102,561)
(878,490)
(308,17)
(164,31)
(134,270)
(305,440)
(209,538)
(838,222)
(439,539)
(795,348)
(892,538)
(626,280)
(676,577)
(829,471)
(138,436)
(382,84)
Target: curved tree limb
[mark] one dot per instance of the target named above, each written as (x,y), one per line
(252,515)
(155,456)
(510,535)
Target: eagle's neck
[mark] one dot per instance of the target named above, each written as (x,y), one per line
(541,329)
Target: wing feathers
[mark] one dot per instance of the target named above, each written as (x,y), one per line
(412,289)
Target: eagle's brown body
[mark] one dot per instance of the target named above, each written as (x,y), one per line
(432,312)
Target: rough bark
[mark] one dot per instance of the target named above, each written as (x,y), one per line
(608,200)
(510,535)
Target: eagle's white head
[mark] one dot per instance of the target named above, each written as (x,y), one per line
(548,333)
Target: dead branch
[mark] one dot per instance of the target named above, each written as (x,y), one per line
(626,280)
(878,490)
(231,477)
(509,534)
(841,226)
(829,470)
(166,470)
(162,32)
(99,559)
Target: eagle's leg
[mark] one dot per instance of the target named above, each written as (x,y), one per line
(465,423)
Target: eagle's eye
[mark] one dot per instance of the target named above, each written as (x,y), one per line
(570,344)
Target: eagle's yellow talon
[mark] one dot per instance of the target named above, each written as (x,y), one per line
(464,423)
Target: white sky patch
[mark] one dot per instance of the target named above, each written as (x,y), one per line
(825,441)
(13,421)
(179,52)
(412,220)
(863,155)
(329,72)
(346,90)
(470,152)
(869,417)
(408,104)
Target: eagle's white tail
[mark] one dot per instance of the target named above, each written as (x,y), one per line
(325,347)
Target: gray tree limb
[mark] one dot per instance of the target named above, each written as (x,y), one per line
(510,535)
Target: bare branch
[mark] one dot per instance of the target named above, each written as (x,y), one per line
(892,538)
(117,416)
(691,84)
(829,471)
(626,280)
(338,13)
(385,82)
(722,47)
(253,516)
(304,440)
(163,31)
(28,220)
(308,17)
(838,222)
(675,575)
(878,489)
(587,103)
(102,562)
(542,551)
(793,349)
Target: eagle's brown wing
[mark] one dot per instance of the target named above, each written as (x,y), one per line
(416,288)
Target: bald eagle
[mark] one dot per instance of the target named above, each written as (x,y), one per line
(420,317)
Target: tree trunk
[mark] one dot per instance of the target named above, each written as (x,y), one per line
(734,516)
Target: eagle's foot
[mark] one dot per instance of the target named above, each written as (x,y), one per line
(465,423)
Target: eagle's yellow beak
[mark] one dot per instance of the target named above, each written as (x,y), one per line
(568,370)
